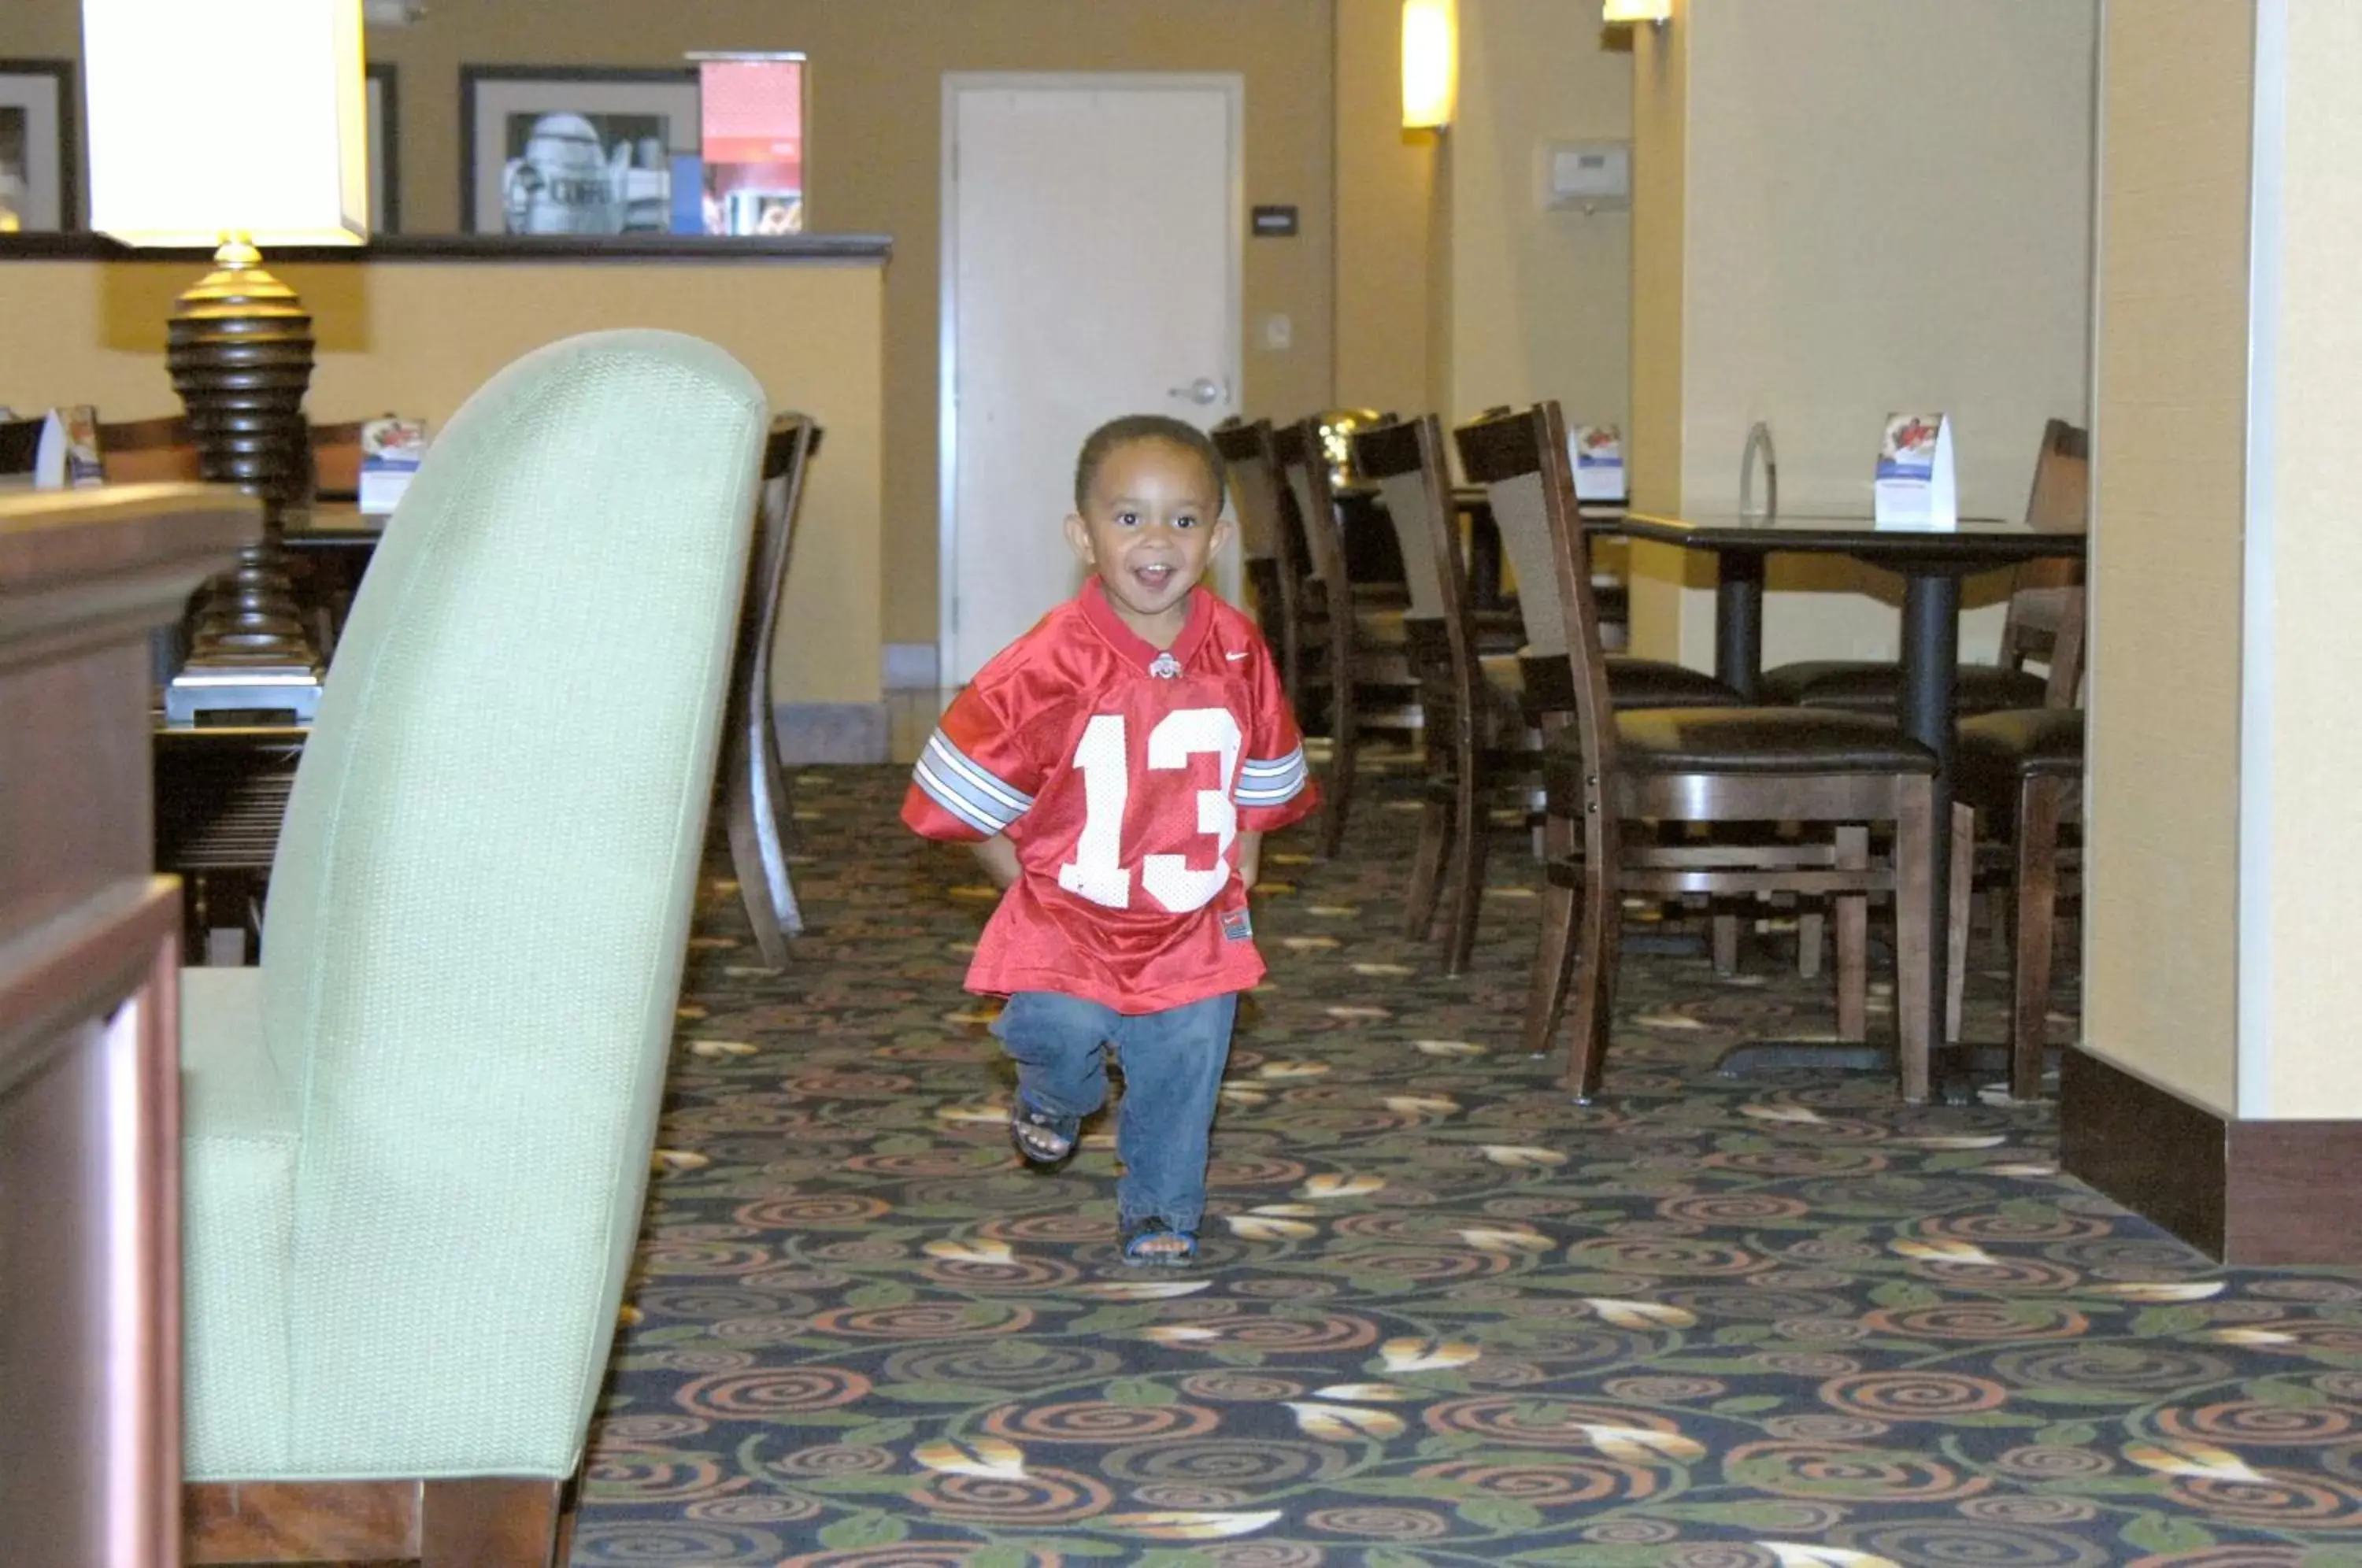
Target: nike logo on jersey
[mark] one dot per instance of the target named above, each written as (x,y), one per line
(1235,656)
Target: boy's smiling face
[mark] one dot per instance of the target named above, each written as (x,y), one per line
(1150,525)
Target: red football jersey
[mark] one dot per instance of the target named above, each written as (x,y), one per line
(1121,776)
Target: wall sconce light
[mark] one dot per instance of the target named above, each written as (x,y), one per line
(1431,63)
(1657,13)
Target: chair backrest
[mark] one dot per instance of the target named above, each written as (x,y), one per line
(1406,465)
(1251,476)
(335,459)
(1304,464)
(2045,621)
(1406,461)
(149,451)
(480,902)
(1522,516)
(1521,461)
(20,448)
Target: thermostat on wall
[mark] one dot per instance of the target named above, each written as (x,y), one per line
(1587,175)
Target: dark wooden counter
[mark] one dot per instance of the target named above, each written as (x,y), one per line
(89,1142)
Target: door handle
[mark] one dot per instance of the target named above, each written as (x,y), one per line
(1204,389)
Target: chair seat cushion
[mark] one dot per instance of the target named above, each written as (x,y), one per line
(1548,685)
(1995,750)
(239,1142)
(1748,740)
(1868,688)
(1661,683)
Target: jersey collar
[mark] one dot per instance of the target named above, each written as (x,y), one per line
(1136,649)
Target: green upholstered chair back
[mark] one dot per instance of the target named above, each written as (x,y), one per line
(480,902)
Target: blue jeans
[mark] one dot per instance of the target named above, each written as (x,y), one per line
(1172,1064)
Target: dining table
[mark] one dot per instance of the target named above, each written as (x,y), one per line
(1933,564)
(1371,554)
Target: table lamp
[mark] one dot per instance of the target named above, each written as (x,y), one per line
(248,129)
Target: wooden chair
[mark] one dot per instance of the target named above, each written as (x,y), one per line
(2058,501)
(2020,776)
(1251,473)
(149,451)
(2020,781)
(1608,772)
(337,460)
(755,796)
(1462,712)
(1471,673)
(1356,626)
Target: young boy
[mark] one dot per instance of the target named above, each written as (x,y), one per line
(1115,769)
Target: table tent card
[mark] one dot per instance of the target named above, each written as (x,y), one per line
(1598,454)
(1914,487)
(391,450)
(76,428)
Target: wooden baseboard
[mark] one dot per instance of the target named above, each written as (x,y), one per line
(812,733)
(2258,1192)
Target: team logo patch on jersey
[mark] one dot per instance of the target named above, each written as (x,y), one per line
(1236,926)
(1164,667)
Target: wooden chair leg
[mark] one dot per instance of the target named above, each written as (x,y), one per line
(271,1521)
(479,1522)
(1852,911)
(1470,839)
(756,857)
(1956,920)
(1546,992)
(1597,948)
(1725,925)
(2039,801)
(1811,937)
(495,1523)
(1426,866)
(1915,914)
(1344,747)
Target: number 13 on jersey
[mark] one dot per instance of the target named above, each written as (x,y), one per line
(1104,760)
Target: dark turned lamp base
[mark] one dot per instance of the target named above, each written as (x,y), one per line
(239,351)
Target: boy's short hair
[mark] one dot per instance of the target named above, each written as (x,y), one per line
(1117,433)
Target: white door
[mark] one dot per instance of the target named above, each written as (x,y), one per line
(1090,269)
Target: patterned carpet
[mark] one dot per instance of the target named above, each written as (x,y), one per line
(1445,1316)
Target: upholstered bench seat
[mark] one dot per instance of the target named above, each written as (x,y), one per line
(240,1141)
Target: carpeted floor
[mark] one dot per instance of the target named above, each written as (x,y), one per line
(1445,1316)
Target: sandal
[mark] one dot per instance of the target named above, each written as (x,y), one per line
(1152,1243)
(1043,1139)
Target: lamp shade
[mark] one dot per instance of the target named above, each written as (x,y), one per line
(1431,63)
(1614,11)
(236,117)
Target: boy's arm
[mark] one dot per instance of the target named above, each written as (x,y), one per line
(976,776)
(998,858)
(1250,855)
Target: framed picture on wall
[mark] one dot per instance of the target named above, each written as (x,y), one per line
(39,185)
(385,149)
(572,151)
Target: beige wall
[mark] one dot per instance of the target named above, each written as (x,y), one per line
(1386,202)
(2168,498)
(2304,639)
(1886,206)
(1659,294)
(419,338)
(878,67)
(1540,298)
